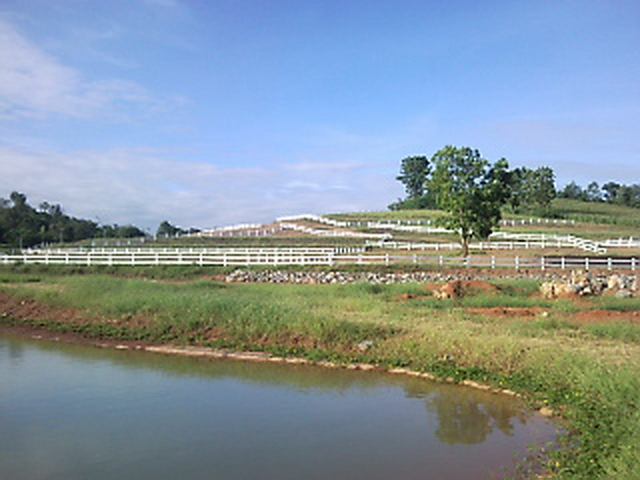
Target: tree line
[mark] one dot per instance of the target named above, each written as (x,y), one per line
(610,192)
(23,226)
(530,190)
(472,192)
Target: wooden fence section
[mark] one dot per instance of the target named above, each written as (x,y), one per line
(302,256)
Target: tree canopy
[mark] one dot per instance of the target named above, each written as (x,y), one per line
(413,174)
(22,226)
(610,192)
(532,190)
(470,190)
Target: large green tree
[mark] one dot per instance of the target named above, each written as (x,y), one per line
(470,190)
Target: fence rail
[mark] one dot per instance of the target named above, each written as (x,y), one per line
(389,223)
(304,256)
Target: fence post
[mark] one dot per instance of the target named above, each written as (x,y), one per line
(562,263)
(586,263)
(493,261)
(609,263)
(517,262)
(441,260)
(542,263)
(633,263)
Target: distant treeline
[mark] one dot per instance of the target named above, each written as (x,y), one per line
(528,190)
(22,226)
(610,192)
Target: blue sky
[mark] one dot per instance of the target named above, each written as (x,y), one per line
(217,112)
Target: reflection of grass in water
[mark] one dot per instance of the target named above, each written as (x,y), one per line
(589,372)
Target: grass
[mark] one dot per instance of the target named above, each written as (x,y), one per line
(586,372)
(596,212)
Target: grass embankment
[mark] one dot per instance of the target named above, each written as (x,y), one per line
(587,372)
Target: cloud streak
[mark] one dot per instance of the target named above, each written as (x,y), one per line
(34,84)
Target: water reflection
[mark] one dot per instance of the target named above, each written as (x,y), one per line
(470,418)
(72,411)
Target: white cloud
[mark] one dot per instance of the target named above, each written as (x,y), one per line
(35,84)
(143,187)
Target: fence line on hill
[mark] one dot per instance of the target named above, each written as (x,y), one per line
(303,257)
(392,223)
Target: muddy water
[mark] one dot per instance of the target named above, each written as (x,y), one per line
(75,412)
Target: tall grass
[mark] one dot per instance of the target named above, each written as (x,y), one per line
(248,316)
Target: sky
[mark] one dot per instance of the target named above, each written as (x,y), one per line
(208,113)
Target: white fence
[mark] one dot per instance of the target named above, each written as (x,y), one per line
(517,241)
(393,224)
(565,240)
(535,221)
(331,233)
(497,245)
(301,256)
(241,230)
(629,242)
(177,256)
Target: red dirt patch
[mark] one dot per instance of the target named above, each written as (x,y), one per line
(29,309)
(604,316)
(461,288)
(506,312)
(583,316)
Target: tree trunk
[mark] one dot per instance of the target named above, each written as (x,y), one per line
(464,240)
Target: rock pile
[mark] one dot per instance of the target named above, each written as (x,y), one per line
(582,284)
(577,282)
(333,277)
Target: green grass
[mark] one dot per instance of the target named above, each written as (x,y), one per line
(588,373)
(386,215)
(610,302)
(596,212)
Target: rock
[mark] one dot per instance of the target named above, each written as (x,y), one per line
(546,412)
(624,294)
(548,290)
(614,282)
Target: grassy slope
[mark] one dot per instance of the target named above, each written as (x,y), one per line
(589,374)
(592,220)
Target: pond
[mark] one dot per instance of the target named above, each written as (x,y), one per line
(77,412)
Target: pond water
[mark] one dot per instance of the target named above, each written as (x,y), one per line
(76,412)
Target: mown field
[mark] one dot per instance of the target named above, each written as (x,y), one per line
(580,358)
